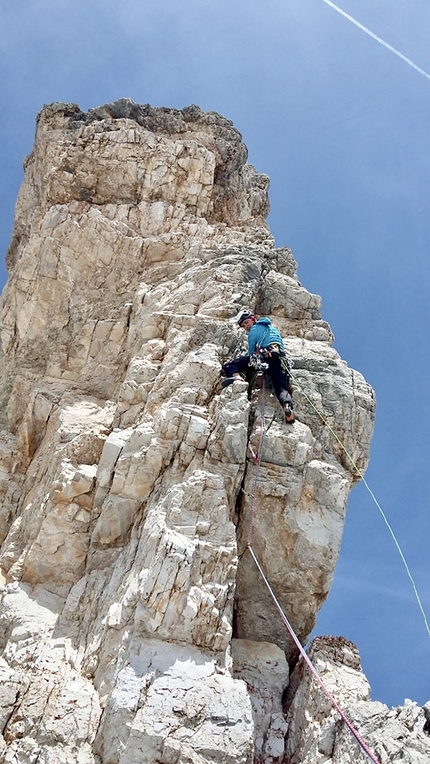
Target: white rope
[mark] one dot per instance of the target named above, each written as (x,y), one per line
(384,517)
(378,39)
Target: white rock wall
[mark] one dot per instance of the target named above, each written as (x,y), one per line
(125,472)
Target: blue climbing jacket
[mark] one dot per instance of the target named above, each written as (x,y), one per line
(263,333)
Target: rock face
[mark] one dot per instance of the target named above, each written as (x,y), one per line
(134,625)
(316,733)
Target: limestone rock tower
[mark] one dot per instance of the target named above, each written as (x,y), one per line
(134,625)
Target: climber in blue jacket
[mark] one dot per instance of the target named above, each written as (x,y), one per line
(266,352)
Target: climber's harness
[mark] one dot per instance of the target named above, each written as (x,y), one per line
(259,359)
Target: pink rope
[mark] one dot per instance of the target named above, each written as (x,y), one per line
(284,618)
(257,465)
(311,666)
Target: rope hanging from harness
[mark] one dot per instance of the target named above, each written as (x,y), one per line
(257,459)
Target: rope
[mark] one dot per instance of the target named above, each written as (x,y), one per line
(384,517)
(378,39)
(257,459)
(361,476)
(257,463)
(306,658)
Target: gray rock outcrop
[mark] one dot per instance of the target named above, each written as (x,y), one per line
(134,626)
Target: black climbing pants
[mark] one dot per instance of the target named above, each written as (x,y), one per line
(279,377)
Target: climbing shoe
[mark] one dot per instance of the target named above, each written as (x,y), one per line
(289,414)
(229,381)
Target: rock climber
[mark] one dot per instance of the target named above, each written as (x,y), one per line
(266,352)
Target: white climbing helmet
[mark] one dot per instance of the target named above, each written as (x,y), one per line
(243,315)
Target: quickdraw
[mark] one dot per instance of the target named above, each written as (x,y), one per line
(257,363)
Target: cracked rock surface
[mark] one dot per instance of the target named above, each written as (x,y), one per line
(134,626)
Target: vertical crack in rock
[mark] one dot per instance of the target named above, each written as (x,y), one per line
(138,234)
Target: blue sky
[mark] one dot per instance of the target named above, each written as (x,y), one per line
(341,125)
